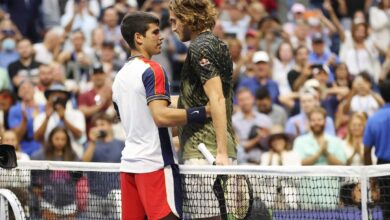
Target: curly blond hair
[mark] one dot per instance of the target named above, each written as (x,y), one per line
(199,15)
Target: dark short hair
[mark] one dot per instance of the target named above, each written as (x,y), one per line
(262,93)
(136,22)
(300,47)
(366,76)
(108,44)
(8,93)
(268,18)
(384,88)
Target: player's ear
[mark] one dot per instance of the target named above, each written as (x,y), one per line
(138,38)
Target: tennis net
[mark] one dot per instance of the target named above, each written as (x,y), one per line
(76,190)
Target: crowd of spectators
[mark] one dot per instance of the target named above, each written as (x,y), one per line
(306,75)
(58,60)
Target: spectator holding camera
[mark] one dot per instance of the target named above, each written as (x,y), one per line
(102,146)
(56,114)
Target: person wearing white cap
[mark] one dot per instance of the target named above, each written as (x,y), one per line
(296,14)
(262,76)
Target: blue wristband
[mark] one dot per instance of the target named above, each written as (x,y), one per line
(196,115)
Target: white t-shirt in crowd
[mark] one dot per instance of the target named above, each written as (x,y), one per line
(366,104)
(42,54)
(75,117)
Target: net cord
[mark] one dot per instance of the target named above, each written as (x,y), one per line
(362,172)
(298,171)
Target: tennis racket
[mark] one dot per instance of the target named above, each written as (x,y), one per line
(234,192)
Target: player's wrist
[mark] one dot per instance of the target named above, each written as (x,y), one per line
(222,153)
(196,115)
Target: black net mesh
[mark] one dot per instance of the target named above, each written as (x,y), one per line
(65,194)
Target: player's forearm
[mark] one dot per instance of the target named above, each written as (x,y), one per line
(170,117)
(165,116)
(218,115)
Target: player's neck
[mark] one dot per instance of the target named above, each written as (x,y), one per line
(194,35)
(138,53)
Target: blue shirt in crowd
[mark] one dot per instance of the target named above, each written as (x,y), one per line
(15,117)
(253,85)
(298,125)
(109,152)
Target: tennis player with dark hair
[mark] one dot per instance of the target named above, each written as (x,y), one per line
(150,181)
(206,77)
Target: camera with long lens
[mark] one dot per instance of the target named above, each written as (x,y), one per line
(7,156)
(59,101)
(101,134)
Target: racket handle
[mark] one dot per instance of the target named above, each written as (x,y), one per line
(206,153)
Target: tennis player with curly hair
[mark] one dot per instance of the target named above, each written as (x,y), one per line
(206,77)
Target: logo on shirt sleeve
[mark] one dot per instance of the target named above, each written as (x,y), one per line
(204,62)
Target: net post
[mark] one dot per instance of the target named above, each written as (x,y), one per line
(364,193)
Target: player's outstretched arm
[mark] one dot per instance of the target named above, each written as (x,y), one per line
(213,90)
(165,116)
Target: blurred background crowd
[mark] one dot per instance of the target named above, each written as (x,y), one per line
(291,58)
